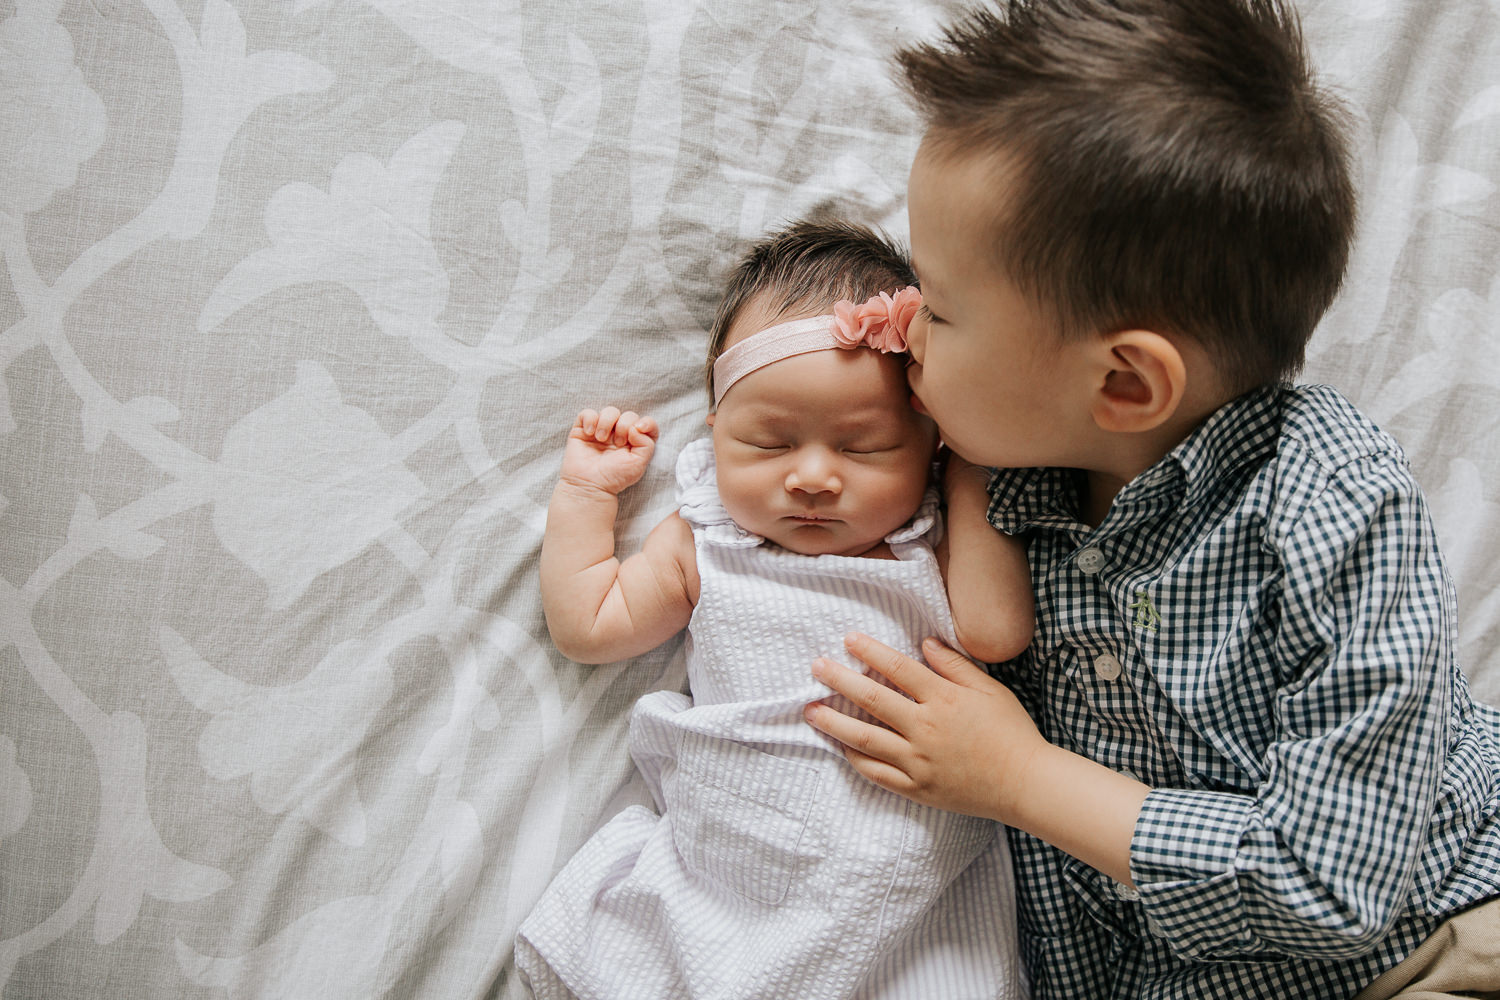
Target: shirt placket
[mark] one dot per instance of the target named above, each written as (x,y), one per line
(1093,696)
(1093,692)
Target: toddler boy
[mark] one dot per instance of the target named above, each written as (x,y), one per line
(1239,758)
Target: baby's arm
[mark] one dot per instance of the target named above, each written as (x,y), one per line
(598,608)
(989,581)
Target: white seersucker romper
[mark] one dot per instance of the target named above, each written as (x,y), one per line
(775,870)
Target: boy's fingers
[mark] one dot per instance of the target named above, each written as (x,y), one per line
(884,774)
(901,670)
(858,737)
(880,701)
(950,663)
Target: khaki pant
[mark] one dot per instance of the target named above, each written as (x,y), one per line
(1460,960)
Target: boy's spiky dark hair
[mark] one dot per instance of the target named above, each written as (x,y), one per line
(1170,165)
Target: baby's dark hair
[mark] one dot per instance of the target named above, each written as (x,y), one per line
(1171,165)
(809,265)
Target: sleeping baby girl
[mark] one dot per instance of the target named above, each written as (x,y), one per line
(771,868)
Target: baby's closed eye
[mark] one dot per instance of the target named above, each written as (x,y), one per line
(763,443)
(871,447)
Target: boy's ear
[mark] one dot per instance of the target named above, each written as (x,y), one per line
(1145,382)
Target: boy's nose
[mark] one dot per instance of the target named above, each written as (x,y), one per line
(916,338)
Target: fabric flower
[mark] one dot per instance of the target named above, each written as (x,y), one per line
(880,322)
(853,323)
(904,309)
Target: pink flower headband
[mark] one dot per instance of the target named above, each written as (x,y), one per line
(879,323)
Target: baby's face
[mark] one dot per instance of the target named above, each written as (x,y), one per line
(821,453)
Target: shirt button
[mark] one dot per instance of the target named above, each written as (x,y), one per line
(1107,667)
(1154,927)
(1129,893)
(1090,560)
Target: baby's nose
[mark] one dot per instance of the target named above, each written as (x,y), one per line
(813,471)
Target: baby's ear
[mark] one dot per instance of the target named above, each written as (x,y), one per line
(709,420)
(1145,381)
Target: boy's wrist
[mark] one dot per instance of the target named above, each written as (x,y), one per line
(1078,806)
(1034,796)
(1019,804)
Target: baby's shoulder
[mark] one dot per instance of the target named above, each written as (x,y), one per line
(672,544)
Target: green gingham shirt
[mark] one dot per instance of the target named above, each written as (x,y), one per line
(1261,630)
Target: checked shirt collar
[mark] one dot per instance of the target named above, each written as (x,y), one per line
(1241,431)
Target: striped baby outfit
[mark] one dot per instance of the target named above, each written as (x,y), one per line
(773,870)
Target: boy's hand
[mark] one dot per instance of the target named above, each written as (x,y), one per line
(960,741)
(608,450)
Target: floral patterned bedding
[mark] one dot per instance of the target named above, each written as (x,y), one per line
(297,300)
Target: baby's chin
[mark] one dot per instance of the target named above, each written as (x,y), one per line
(811,541)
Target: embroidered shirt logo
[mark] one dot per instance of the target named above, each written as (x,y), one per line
(1145,612)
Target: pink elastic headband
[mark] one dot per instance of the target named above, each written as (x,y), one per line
(879,323)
